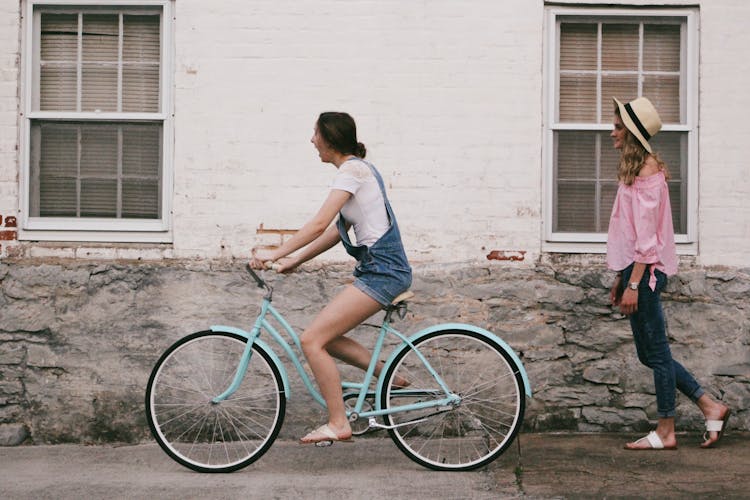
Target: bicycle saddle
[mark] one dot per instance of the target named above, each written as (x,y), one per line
(402,298)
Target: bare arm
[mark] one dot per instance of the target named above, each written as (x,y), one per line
(325,241)
(629,301)
(316,228)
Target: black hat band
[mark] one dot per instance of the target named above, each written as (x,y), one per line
(637,122)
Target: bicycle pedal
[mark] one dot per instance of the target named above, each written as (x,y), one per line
(324,444)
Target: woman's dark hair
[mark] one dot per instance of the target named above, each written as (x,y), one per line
(340,132)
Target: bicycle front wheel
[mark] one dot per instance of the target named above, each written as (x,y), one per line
(207,436)
(471,433)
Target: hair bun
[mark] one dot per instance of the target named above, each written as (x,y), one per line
(360,150)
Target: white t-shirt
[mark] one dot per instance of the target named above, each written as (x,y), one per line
(365,210)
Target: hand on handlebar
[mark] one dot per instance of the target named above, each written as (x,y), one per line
(262,259)
(262,265)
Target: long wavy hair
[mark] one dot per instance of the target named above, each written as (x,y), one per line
(633,157)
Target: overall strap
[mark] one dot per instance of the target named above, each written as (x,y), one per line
(381,184)
(359,251)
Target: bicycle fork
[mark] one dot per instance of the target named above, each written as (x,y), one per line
(240,373)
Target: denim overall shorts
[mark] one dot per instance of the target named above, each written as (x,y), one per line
(382,270)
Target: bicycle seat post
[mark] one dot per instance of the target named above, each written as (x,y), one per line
(398,305)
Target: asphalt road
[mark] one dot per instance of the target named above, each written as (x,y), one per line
(549,466)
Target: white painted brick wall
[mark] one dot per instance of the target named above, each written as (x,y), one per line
(447,97)
(724,156)
(9,49)
(447,100)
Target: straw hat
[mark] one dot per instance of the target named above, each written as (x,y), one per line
(641,118)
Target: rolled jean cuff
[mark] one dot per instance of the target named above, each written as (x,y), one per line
(666,414)
(695,396)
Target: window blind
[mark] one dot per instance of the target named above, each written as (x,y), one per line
(97,169)
(600,59)
(98,61)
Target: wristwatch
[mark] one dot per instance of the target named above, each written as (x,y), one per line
(633,286)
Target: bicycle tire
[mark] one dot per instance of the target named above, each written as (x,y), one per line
(476,431)
(206,436)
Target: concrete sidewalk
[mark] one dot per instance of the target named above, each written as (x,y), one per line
(597,466)
(548,466)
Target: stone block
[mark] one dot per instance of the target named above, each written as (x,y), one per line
(602,372)
(643,401)
(12,353)
(612,418)
(737,395)
(549,373)
(556,419)
(604,336)
(544,353)
(580,356)
(11,387)
(575,396)
(42,356)
(12,434)
(701,323)
(741,369)
(531,332)
(27,316)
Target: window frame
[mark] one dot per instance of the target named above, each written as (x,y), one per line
(93,229)
(570,242)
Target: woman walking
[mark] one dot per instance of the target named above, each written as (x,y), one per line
(357,199)
(641,248)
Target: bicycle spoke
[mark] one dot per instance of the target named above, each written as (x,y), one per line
(483,422)
(219,436)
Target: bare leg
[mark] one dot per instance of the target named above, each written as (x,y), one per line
(352,352)
(347,310)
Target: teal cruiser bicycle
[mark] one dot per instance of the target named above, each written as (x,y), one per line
(216,399)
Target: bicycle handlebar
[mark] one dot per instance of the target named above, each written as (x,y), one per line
(258,279)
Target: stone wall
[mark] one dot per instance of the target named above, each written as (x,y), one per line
(78,339)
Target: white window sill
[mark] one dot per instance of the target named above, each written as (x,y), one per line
(96,236)
(683,248)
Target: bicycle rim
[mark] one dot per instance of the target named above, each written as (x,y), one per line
(476,431)
(199,434)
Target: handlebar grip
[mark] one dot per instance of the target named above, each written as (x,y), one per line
(272,265)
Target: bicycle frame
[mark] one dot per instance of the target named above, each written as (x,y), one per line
(262,323)
(209,411)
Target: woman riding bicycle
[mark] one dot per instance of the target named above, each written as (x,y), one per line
(358,198)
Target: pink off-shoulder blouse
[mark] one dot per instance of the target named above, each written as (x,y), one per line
(640,228)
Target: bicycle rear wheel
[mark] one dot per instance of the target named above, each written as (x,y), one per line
(206,436)
(472,433)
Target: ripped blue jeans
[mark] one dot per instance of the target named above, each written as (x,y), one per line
(652,346)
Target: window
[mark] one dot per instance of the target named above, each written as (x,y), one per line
(592,56)
(97,121)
